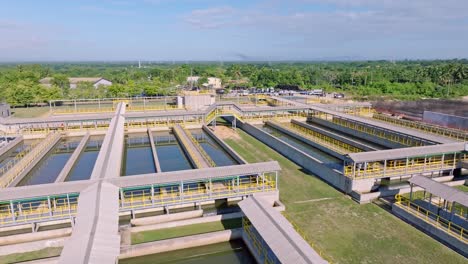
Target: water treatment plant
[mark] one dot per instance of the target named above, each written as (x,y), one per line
(161,179)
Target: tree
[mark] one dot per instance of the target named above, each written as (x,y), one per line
(61,80)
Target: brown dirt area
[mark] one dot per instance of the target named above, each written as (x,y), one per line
(225,132)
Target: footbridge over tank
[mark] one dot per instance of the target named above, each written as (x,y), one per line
(101,121)
(55,201)
(405,162)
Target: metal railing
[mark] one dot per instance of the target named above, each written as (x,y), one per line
(433,219)
(327,141)
(399,168)
(401,139)
(25,212)
(18,157)
(258,245)
(203,191)
(456,134)
(19,167)
(200,149)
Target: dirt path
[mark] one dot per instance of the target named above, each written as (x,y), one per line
(225,132)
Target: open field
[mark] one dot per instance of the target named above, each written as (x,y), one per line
(30,112)
(40,254)
(182,231)
(342,230)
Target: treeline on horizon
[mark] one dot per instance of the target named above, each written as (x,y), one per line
(406,80)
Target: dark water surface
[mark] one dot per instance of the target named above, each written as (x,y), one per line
(138,158)
(216,152)
(170,154)
(233,252)
(85,163)
(52,164)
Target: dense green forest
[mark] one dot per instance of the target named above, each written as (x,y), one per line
(19,84)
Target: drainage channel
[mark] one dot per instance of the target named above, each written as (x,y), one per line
(235,252)
(52,164)
(328,160)
(84,165)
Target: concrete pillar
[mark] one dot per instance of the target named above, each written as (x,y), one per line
(122,198)
(12,209)
(181,190)
(49,205)
(411,192)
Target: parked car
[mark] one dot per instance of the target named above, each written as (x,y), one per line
(338,95)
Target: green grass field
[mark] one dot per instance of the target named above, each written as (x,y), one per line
(30,112)
(40,254)
(341,229)
(462,188)
(188,230)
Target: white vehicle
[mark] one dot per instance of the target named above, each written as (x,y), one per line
(318,92)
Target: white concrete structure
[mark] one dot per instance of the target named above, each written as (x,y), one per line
(5,110)
(193,79)
(97,81)
(214,83)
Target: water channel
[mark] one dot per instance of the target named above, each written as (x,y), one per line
(170,154)
(138,156)
(233,252)
(52,164)
(84,165)
(213,149)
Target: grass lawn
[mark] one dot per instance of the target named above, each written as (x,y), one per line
(44,253)
(341,229)
(462,188)
(188,230)
(30,112)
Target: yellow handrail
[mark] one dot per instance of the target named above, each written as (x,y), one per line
(429,128)
(431,218)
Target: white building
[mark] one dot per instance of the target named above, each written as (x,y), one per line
(193,79)
(214,83)
(97,81)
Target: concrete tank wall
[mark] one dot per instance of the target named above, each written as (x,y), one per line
(349,131)
(447,239)
(306,140)
(225,146)
(334,135)
(446,120)
(302,159)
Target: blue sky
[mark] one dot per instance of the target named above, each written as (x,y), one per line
(232,30)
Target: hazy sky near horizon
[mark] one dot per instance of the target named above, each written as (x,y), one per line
(34,30)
